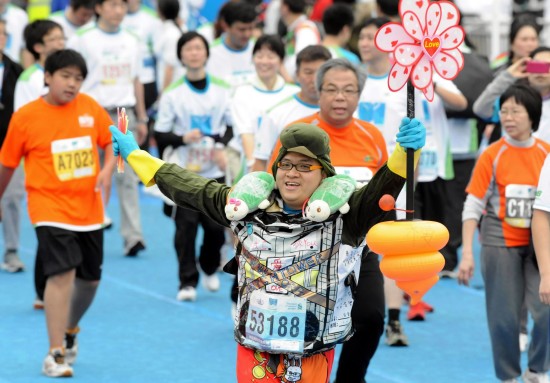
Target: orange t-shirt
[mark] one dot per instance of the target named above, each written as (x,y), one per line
(60,147)
(359,144)
(507,177)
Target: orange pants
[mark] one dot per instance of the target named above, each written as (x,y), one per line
(255,366)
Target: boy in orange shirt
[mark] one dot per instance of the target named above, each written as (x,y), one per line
(64,183)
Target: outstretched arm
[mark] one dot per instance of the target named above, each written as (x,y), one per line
(182,186)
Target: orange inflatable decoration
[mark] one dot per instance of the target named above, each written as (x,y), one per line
(410,251)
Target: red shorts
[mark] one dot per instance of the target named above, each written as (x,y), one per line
(262,367)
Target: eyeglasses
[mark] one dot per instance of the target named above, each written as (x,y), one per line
(332,92)
(302,168)
(513,113)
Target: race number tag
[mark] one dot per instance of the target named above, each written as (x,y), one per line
(73,158)
(519,201)
(116,69)
(428,162)
(200,155)
(276,323)
(427,165)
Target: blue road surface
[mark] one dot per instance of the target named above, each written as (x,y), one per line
(137,332)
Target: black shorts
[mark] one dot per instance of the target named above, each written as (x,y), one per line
(62,250)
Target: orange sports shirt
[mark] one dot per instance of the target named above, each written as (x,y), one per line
(60,147)
(359,144)
(506,176)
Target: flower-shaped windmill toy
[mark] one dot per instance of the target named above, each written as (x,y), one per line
(426,41)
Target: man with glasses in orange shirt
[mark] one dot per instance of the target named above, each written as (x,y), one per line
(357,147)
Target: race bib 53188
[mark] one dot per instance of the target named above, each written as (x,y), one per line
(276,322)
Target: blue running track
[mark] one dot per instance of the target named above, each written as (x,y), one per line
(136,331)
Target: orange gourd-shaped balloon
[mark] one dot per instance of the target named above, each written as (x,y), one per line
(410,251)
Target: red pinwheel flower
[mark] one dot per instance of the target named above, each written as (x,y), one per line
(427,40)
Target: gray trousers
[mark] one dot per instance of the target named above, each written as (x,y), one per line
(511,276)
(11,209)
(128,196)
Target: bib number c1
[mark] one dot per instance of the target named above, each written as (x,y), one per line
(519,201)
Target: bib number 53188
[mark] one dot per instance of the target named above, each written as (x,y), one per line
(276,322)
(280,325)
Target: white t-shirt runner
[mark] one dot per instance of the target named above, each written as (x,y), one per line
(113,61)
(16,21)
(543,132)
(165,49)
(250,102)
(385,109)
(382,108)
(234,66)
(69,29)
(183,108)
(542,196)
(145,24)
(463,137)
(29,86)
(275,120)
(436,158)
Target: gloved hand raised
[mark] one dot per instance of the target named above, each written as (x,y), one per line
(412,134)
(123,144)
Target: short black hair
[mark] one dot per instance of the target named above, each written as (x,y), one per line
(312,53)
(188,36)
(336,17)
(65,58)
(376,21)
(238,11)
(389,8)
(99,2)
(77,4)
(271,42)
(295,6)
(169,9)
(527,96)
(34,34)
(539,50)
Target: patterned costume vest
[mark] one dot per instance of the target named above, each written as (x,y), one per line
(296,283)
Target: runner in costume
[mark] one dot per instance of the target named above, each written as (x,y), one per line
(296,277)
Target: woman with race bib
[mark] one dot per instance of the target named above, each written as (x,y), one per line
(503,184)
